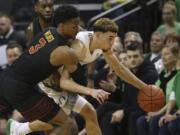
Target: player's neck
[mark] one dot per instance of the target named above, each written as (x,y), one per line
(44,24)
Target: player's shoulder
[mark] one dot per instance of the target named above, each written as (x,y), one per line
(84,34)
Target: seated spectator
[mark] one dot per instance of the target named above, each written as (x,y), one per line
(156,45)
(170,123)
(132,37)
(149,124)
(13,51)
(114,84)
(7,34)
(170,25)
(114,116)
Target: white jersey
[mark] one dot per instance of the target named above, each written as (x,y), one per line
(85,37)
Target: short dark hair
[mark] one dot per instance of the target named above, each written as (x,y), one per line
(135,46)
(14,44)
(65,13)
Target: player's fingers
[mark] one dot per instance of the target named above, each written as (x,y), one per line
(101,97)
(99,100)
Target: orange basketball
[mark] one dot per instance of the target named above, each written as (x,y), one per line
(151,98)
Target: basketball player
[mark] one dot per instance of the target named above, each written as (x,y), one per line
(88,46)
(48,52)
(45,12)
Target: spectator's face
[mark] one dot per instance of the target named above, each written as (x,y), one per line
(44,9)
(168,15)
(105,40)
(156,43)
(12,55)
(168,58)
(123,58)
(70,28)
(129,40)
(5,25)
(117,46)
(135,58)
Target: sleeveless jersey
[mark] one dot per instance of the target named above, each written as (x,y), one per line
(34,64)
(85,37)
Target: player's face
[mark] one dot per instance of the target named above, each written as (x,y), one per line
(156,43)
(71,27)
(12,55)
(45,9)
(106,40)
(168,58)
(135,58)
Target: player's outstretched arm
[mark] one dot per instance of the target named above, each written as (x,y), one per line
(68,84)
(122,71)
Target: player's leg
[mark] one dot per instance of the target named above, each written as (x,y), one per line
(33,105)
(88,112)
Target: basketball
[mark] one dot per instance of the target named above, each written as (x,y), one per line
(151,98)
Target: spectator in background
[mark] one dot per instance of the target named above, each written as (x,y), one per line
(117,47)
(13,51)
(173,39)
(113,84)
(111,116)
(170,25)
(44,19)
(7,34)
(156,45)
(132,37)
(178,9)
(149,124)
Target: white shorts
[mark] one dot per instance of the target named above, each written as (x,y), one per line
(68,101)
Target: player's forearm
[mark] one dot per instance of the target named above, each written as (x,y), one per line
(70,85)
(123,72)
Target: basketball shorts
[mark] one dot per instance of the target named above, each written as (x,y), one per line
(31,103)
(68,101)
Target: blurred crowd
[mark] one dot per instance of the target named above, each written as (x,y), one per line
(121,114)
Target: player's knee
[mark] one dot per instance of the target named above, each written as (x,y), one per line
(89,112)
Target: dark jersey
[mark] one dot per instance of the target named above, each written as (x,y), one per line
(36,26)
(34,64)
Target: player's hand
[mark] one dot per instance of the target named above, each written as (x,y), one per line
(117,116)
(151,114)
(99,95)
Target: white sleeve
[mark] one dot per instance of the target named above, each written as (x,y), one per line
(172,96)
